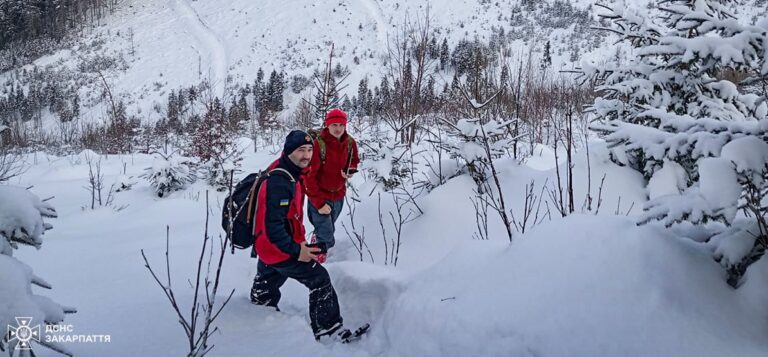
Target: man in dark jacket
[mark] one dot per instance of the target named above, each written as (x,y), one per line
(280,242)
(334,160)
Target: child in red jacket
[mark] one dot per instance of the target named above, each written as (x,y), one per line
(334,161)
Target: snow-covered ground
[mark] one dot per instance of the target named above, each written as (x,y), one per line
(586,285)
(591,284)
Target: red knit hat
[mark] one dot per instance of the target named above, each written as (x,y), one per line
(336,116)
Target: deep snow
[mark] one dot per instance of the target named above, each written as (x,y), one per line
(587,285)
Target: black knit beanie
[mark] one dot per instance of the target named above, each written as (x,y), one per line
(295,139)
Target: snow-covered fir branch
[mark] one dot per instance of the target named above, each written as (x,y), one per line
(22,223)
(673,114)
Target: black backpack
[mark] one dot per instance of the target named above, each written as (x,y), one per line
(242,204)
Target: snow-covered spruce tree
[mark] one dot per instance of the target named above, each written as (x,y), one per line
(737,180)
(21,223)
(169,173)
(389,167)
(123,183)
(470,139)
(482,139)
(221,168)
(478,140)
(213,144)
(478,145)
(675,111)
(327,89)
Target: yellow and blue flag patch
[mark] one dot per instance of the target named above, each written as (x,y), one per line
(284,202)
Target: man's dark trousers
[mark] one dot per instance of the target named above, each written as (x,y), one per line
(323,302)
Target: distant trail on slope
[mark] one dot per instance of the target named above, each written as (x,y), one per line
(378,17)
(209,42)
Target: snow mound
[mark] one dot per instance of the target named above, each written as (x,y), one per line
(582,286)
(543,158)
(719,185)
(358,282)
(755,288)
(670,180)
(748,154)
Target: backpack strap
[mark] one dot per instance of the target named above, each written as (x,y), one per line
(350,141)
(279,169)
(321,144)
(252,194)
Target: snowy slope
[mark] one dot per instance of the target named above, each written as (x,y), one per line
(161,46)
(167,45)
(582,286)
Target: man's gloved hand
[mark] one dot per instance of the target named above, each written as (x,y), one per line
(321,257)
(308,253)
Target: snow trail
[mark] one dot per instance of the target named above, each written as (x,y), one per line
(211,45)
(377,14)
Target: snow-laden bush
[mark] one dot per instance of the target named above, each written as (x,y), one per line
(220,173)
(11,163)
(481,140)
(472,137)
(391,163)
(169,173)
(673,114)
(738,179)
(21,223)
(123,183)
(223,166)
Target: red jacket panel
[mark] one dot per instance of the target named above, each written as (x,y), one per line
(279,217)
(324,181)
